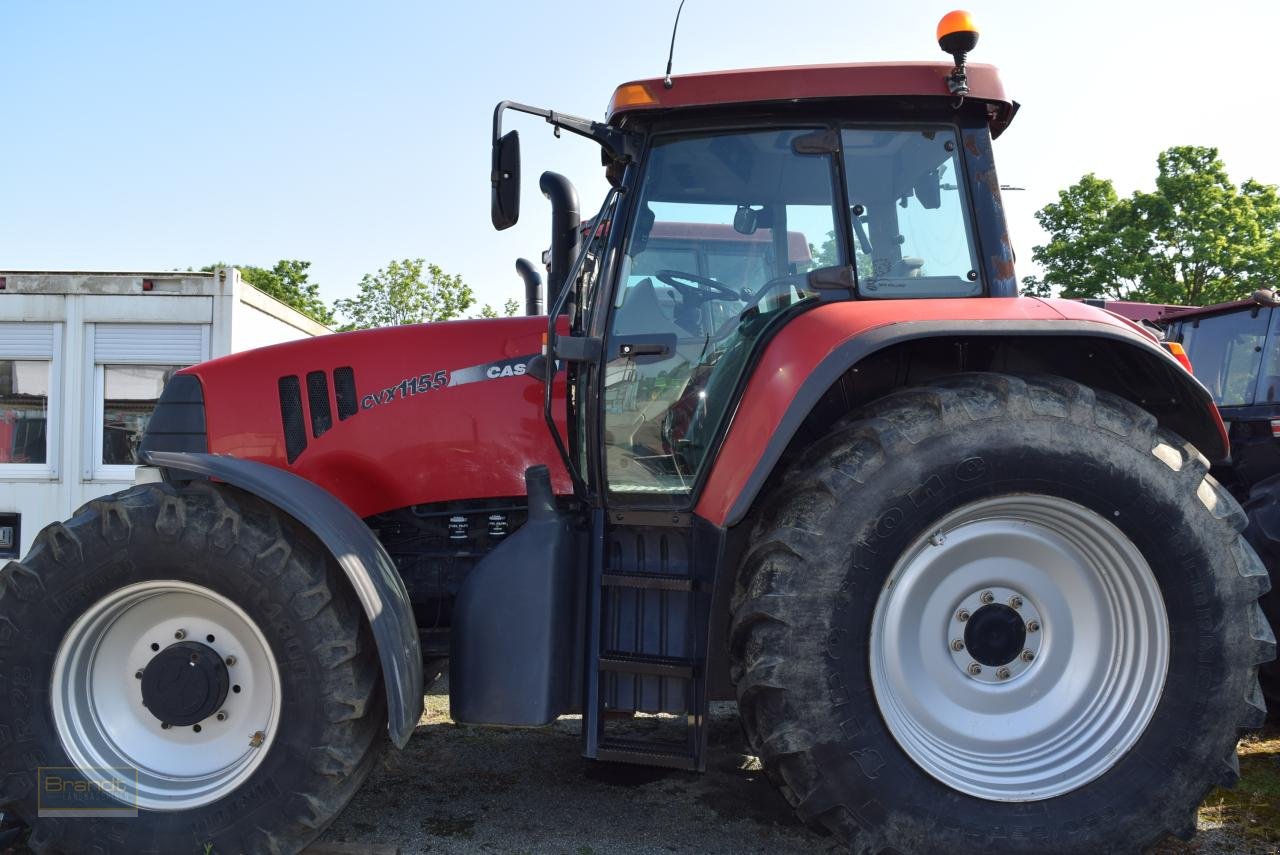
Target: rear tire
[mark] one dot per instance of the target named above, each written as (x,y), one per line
(241,581)
(1069,507)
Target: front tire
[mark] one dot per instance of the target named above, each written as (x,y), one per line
(201,637)
(1102,695)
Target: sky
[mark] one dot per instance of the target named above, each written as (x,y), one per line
(160,136)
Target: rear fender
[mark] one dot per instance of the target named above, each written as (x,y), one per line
(372,574)
(774,407)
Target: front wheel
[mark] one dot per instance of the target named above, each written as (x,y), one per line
(191,654)
(999,612)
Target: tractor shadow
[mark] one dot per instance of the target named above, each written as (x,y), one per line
(465,789)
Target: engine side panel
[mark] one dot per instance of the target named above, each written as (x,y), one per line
(394,417)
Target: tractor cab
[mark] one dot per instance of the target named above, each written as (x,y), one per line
(741,199)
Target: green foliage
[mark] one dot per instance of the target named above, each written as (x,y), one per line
(1197,239)
(398,294)
(1033,287)
(288,282)
(510,308)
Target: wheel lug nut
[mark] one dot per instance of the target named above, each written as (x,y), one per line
(1002,673)
(1027,656)
(1015,602)
(975,669)
(164,725)
(987,598)
(962,615)
(1033,626)
(957,645)
(231,660)
(221,716)
(138,674)
(180,634)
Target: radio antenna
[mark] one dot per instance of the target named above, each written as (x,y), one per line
(666,81)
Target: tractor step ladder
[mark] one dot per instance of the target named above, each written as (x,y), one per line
(646,647)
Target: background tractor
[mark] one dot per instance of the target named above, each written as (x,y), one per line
(1234,349)
(956,554)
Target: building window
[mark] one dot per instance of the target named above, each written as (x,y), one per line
(130,365)
(24,411)
(29,400)
(130,393)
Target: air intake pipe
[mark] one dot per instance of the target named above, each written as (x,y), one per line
(566,230)
(532,286)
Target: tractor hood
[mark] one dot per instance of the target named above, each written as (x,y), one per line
(386,418)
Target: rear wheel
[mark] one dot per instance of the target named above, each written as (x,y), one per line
(999,612)
(195,652)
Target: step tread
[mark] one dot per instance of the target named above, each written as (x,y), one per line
(631,751)
(653,581)
(647,665)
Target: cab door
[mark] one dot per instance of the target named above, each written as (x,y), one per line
(725,229)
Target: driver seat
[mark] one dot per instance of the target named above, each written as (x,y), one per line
(641,311)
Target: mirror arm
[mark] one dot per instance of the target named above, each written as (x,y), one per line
(620,145)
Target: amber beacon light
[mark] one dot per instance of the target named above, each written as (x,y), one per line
(957,35)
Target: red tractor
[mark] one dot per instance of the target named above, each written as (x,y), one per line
(955,553)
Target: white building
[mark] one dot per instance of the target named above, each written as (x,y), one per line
(83,357)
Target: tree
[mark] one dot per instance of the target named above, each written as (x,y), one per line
(1196,240)
(398,294)
(288,282)
(509,309)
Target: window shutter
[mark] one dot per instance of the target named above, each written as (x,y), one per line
(148,344)
(26,341)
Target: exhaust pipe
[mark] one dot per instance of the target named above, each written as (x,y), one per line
(566,230)
(532,286)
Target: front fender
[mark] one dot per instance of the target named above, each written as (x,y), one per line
(370,570)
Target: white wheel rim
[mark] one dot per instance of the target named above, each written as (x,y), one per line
(108,732)
(1066,713)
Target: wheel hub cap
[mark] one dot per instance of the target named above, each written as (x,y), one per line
(994,635)
(185,683)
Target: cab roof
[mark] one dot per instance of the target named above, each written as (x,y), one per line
(798,83)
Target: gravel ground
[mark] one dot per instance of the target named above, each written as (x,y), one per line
(458,789)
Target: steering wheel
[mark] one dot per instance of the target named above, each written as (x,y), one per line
(703,283)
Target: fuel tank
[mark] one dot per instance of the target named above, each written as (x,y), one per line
(391,417)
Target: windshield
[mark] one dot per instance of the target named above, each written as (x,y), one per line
(724,230)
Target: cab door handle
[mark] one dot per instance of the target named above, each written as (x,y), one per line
(643,349)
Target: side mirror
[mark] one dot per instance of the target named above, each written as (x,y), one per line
(928,190)
(505,197)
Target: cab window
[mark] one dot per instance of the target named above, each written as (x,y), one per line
(909,214)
